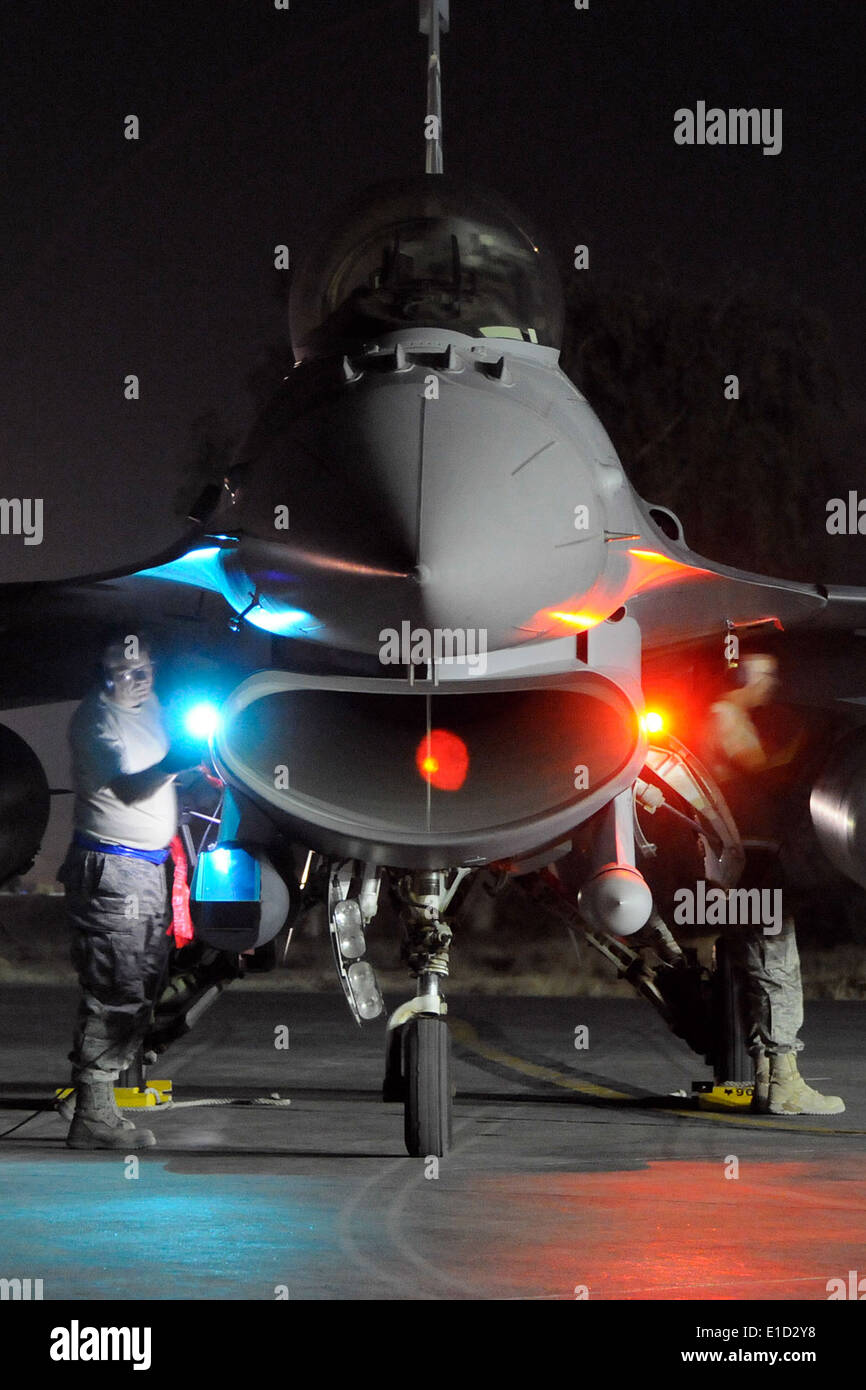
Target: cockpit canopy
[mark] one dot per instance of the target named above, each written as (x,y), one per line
(425,252)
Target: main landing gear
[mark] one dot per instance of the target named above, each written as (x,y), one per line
(703,1007)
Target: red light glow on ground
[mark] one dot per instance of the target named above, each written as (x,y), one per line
(682,1230)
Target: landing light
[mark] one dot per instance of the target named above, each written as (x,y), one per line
(350,929)
(365,990)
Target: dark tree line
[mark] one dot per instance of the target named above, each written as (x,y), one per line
(749,477)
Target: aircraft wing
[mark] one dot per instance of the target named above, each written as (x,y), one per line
(51,634)
(680,597)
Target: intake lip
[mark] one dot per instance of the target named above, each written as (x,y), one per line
(338,761)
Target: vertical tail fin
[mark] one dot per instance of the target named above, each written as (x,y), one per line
(434,20)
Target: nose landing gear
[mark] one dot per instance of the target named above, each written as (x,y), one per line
(418,1056)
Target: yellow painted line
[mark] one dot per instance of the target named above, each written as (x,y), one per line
(466,1035)
(756,1121)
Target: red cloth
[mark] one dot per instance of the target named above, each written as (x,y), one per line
(181,923)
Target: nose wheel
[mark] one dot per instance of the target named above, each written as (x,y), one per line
(427,1097)
(418,1056)
(418,1073)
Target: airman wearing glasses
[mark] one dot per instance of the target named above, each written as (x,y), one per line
(115,874)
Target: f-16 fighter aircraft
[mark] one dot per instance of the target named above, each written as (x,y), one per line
(430,504)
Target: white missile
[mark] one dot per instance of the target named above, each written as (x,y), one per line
(616,899)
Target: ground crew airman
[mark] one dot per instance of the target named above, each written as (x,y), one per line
(118,897)
(768,964)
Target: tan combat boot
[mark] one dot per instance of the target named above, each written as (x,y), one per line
(93,1124)
(789,1094)
(66,1110)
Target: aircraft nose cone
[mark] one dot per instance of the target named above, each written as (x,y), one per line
(469,510)
(509,518)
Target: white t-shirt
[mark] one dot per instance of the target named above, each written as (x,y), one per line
(108,740)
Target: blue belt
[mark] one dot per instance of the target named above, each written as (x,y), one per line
(153,856)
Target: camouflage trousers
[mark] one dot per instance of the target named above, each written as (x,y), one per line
(118,910)
(772,990)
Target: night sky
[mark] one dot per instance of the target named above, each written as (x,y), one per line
(156,256)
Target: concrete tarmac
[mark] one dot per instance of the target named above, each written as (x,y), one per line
(575,1171)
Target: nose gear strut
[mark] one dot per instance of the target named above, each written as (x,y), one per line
(417,1067)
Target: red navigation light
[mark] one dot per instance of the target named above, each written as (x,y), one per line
(442,759)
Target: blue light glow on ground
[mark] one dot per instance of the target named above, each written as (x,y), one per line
(90,1233)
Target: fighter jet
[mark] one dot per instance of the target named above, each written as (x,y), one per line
(431,505)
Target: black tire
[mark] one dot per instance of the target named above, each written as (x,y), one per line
(394,1084)
(426,1068)
(730,1058)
